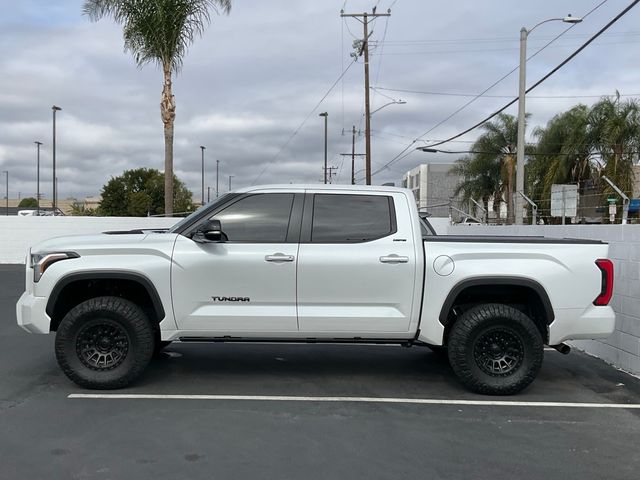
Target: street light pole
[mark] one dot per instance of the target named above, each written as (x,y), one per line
(325,115)
(230,177)
(6,172)
(217,176)
(53,145)
(202,148)
(353,156)
(38,144)
(524,34)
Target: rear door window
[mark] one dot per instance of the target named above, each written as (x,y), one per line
(351,218)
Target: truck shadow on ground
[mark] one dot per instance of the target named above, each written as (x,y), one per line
(362,370)
(388,370)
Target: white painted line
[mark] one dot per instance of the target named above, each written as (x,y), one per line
(285,398)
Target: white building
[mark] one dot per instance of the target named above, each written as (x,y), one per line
(432,184)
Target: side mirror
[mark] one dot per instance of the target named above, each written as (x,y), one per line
(211,230)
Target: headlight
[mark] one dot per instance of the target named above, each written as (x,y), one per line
(41,261)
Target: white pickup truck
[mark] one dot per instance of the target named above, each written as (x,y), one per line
(315,264)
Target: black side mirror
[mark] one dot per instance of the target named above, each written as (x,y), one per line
(211,230)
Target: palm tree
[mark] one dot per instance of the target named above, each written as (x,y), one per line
(616,131)
(490,172)
(481,180)
(565,153)
(160,32)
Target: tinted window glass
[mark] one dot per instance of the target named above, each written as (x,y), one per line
(261,218)
(350,218)
(178,227)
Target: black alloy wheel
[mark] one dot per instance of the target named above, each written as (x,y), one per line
(498,351)
(102,345)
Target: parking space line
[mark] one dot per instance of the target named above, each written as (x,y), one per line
(286,398)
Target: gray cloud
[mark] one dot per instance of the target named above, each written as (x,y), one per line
(257,73)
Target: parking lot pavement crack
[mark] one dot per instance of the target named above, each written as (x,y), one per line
(35,389)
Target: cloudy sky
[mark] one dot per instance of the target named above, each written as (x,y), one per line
(249,84)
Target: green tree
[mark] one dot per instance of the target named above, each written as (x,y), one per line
(78,209)
(28,202)
(565,153)
(481,180)
(582,144)
(490,172)
(140,192)
(160,32)
(615,126)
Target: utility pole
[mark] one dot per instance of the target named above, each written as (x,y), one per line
(38,144)
(208,194)
(326,116)
(202,148)
(217,176)
(55,192)
(353,155)
(230,177)
(365,18)
(330,172)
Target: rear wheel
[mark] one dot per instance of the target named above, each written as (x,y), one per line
(104,343)
(495,349)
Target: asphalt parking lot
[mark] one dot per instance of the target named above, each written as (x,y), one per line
(270,411)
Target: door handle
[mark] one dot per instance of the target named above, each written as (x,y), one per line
(393,258)
(279,257)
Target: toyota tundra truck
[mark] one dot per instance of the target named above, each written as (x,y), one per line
(314,264)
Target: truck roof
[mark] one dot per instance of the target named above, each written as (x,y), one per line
(315,186)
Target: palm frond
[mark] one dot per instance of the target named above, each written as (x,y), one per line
(158,31)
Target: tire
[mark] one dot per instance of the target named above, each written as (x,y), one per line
(495,349)
(104,343)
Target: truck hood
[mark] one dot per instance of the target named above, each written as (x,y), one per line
(106,243)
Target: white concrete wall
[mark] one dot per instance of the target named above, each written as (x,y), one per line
(18,234)
(622,349)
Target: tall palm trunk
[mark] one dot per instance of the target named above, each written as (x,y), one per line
(168,112)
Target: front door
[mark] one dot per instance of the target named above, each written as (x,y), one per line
(246,285)
(357,265)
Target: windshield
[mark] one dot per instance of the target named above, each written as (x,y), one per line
(189,218)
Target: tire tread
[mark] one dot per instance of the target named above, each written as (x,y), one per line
(463,330)
(125,309)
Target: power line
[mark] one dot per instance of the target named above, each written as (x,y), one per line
(275,157)
(487,50)
(455,94)
(384,35)
(511,39)
(403,154)
(554,70)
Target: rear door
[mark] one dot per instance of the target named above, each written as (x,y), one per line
(356,265)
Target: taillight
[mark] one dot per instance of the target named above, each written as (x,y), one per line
(606,292)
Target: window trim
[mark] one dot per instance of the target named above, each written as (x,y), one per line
(293,228)
(307,218)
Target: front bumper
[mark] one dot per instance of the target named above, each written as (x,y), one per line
(31,313)
(577,324)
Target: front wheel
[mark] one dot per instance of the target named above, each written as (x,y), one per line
(495,349)
(104,343)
